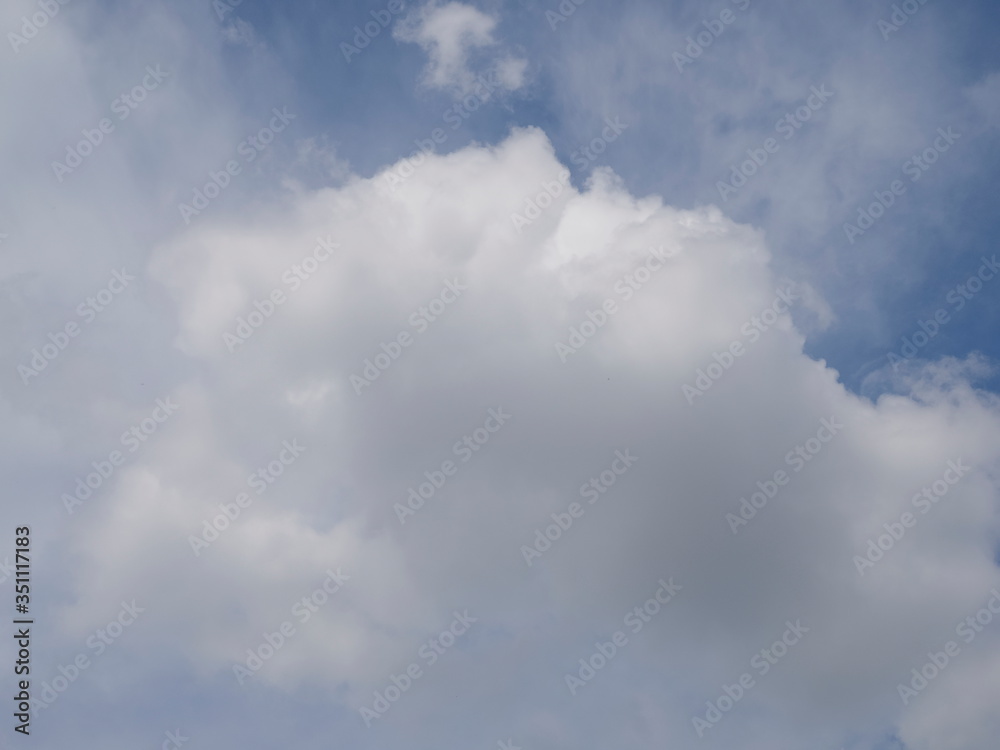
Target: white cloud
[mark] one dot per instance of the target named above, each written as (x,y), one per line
(455,36)
(494,347)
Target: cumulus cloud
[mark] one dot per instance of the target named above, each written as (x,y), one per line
(494,346)
(493,393)
(459,40)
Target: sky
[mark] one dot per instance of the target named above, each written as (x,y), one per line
(500,374)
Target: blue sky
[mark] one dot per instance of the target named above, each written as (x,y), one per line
(372,110)
(626,225)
